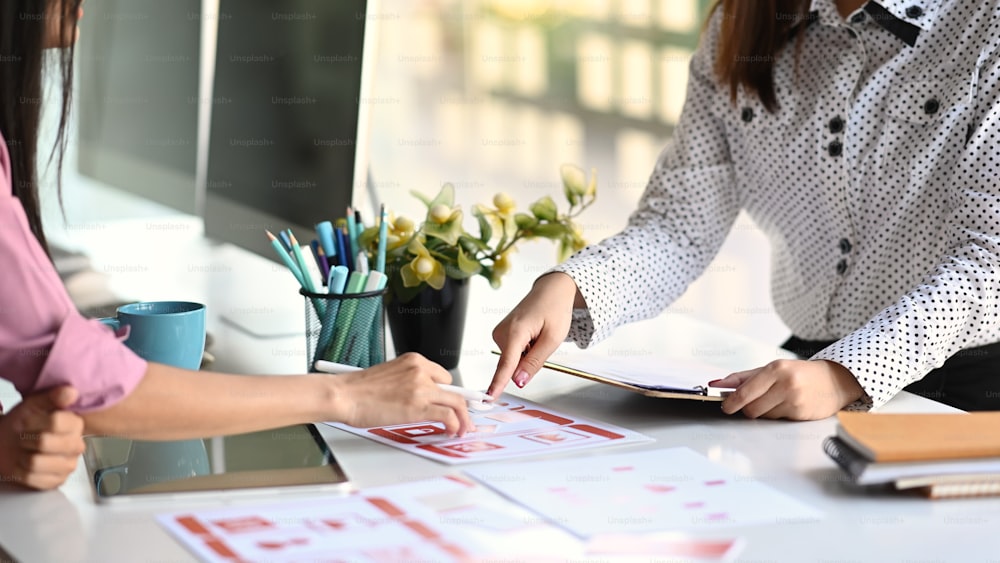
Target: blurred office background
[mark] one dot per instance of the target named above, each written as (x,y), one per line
(493,95)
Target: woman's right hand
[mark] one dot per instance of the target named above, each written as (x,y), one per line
(529,334)
(402,390)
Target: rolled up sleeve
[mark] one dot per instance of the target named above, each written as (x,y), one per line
(44,341)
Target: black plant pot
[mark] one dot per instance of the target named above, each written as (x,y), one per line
(431,323)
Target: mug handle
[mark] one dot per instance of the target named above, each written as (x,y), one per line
(99,475)
(116,325)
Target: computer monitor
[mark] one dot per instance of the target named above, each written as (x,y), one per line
(288,137)
(138,98)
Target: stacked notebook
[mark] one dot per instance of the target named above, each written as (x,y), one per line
(938,455)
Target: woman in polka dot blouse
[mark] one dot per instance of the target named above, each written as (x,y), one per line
(862,137)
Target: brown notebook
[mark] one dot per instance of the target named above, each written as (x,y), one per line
(921,437)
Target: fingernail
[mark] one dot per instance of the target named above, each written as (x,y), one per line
(714,381)
(521,378)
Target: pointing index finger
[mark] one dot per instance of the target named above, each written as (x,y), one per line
(510,356)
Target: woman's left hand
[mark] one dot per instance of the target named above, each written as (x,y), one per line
(40,441)
(792,389)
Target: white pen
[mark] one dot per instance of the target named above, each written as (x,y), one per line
(469,395)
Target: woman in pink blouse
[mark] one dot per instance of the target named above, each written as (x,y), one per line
(76,377)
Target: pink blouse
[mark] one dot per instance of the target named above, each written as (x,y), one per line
(44,341)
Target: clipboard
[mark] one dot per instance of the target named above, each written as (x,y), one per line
(694,392)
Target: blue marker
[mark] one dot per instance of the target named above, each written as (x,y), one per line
(324,231)
(383,233)
(343,258)
(352,234)
(345,325)
(336,283)
(366,319)
(338,279)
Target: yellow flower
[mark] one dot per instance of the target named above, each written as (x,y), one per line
(442,214)
(592,185)
(444,223)
(423,268)
(400,232)
(402,226)
(439,247)
(502,264)
(504,203)
(576,185)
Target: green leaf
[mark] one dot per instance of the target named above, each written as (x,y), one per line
(525,221)
(400,292)
(509,226)
(448,232)
(434,243)
(485,271)
(444,232)
(545,209)
(473,245)
(485,230)
(502,242)
(468,265)
(368,238)
(421,197)
(565,250)
(445,197)
(409,277)
(551,230)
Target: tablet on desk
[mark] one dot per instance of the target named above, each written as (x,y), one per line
(289,459)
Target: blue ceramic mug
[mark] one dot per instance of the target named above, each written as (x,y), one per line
(172,333)
(165,332)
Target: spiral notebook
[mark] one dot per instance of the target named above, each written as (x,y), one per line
(921,437)
(866,472)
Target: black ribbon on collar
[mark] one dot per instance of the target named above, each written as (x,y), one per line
(904,30)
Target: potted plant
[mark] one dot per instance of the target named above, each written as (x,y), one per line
(429,265)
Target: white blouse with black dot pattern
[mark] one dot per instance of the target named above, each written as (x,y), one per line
(877,182)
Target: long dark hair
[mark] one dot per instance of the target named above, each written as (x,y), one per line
(753,35)
(23,28)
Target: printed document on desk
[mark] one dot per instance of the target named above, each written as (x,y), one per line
(376,525)
(673,489)
(651,375)
(512,428)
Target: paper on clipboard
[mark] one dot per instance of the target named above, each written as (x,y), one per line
(655,376)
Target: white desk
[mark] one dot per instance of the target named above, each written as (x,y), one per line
(66,525)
